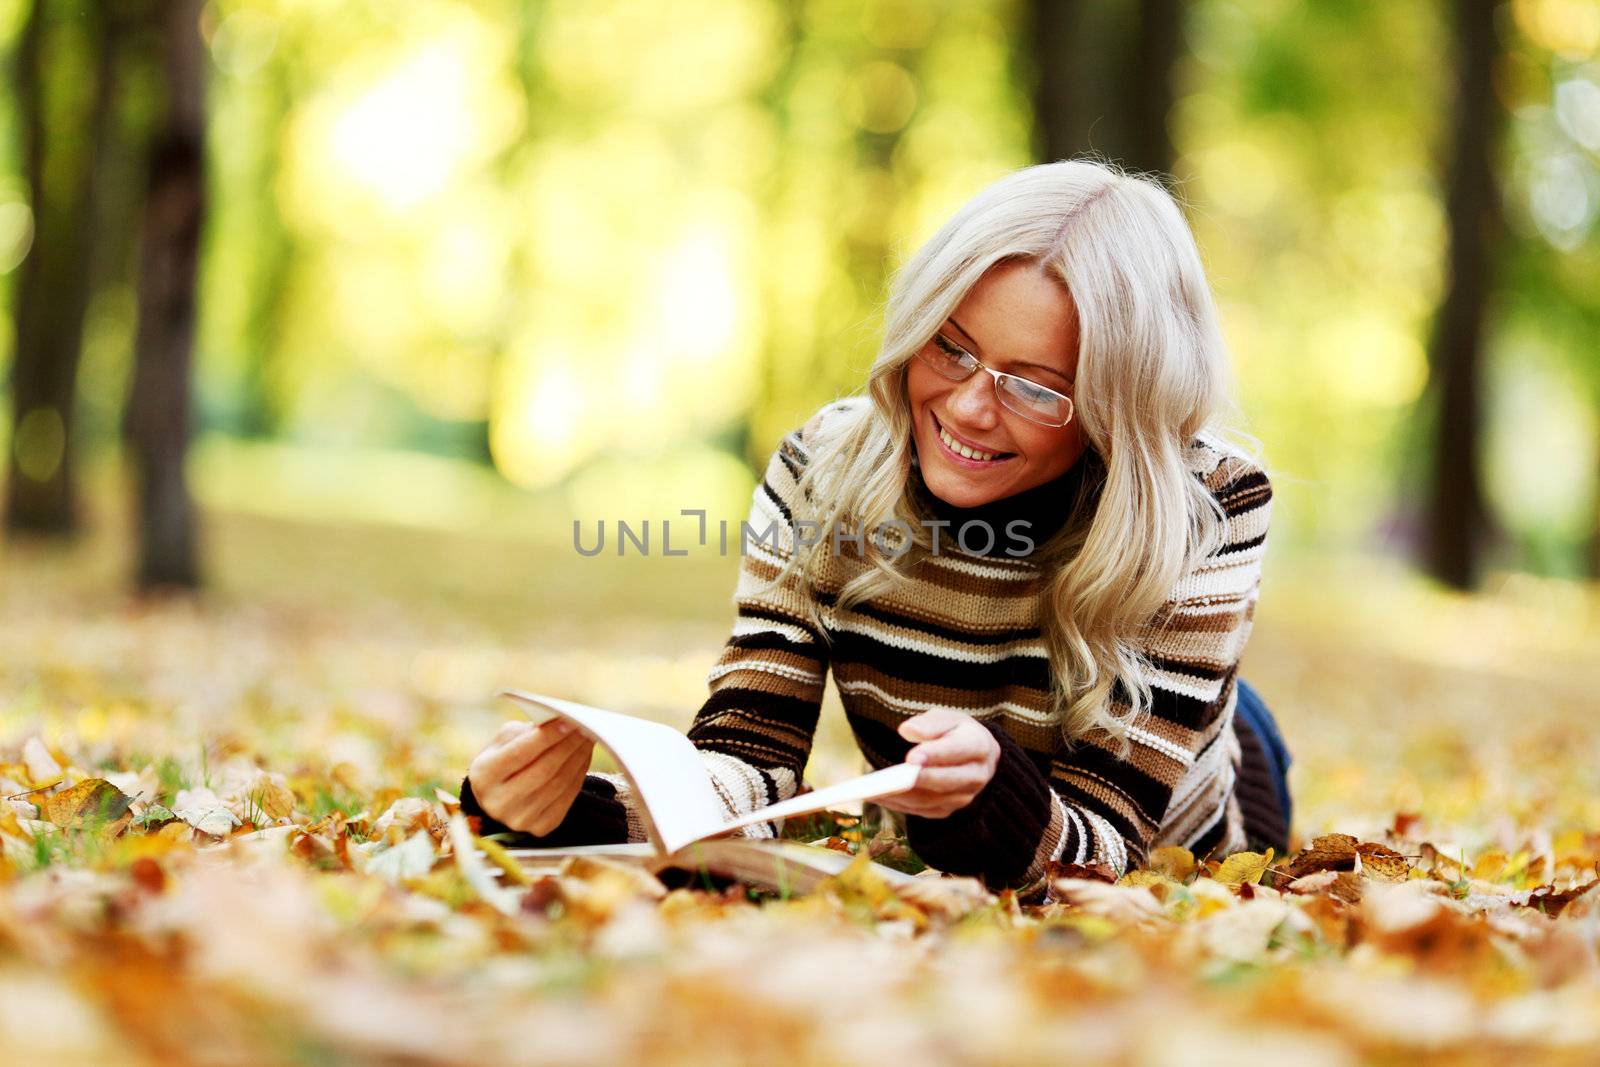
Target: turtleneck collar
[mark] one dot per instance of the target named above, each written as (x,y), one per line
(1046,508)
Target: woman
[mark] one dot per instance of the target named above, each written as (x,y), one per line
(1038,571)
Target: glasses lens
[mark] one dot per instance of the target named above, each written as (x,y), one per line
(1035,401)
(948,361)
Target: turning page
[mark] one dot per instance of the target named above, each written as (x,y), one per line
(670,781)
(672,785)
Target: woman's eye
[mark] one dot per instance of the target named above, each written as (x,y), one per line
(1034,394)
(949,349)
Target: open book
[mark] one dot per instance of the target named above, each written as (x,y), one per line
(684,817)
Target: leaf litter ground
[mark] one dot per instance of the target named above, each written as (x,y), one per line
(228,839)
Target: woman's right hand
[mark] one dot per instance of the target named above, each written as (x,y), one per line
(528,776)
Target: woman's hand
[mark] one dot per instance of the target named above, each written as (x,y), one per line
(528,776)
(958,756)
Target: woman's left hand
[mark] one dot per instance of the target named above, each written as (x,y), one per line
(957,755)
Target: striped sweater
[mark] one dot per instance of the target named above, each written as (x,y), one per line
(963,632)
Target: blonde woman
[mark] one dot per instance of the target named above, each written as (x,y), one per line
(1025,554)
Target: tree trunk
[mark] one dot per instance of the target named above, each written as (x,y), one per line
(1456,519)
(158,414)
(60,165)
(1104,79)
(1156,47)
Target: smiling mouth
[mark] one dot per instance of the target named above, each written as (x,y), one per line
(966,452)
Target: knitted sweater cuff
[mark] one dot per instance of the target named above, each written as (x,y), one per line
(997,836)
(597,817)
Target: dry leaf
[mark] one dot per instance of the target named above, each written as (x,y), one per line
(1329,852)
(1244,867)
(411,859)
(41,767)
(93,803)
(1094,872)
(1106,901)
(202,809)
(1174,861)
(473,869)
(1383,863)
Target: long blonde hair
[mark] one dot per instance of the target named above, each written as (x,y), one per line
(1152,374)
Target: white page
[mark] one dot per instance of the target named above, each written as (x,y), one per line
(670,780)
(889,780)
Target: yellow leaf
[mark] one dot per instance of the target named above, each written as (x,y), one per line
(514,872)
(93,802)
(1490,866)
(1244,867)
(1174,861)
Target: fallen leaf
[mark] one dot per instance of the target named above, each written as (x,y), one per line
(41,767)
(1094,872)
(1174,861)
(410,859)
(1328,852)
(93,803)
(1118,903)
(1244,867)
(204,810)
(473,869)
(1383,863)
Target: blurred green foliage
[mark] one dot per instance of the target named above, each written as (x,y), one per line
(615,248)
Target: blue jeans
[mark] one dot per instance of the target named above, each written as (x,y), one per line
(1253,711)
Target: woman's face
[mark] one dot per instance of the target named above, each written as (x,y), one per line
(1020,321)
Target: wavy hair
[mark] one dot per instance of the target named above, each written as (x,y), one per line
(1152,374)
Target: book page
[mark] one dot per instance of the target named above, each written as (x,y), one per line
(889,780)
(669,779)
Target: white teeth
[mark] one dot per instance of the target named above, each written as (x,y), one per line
(962,450)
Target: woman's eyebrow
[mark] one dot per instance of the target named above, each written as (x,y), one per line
(972,343)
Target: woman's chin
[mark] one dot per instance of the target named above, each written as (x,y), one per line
(957,491)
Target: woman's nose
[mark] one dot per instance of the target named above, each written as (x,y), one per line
(975,403)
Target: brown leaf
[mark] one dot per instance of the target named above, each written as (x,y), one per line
(147,874)
(1329,852)
(93,803)
(1552,901)
(1094,872)
(1341,885)
(1406,823)
(1382,863)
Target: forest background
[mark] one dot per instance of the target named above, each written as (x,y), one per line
(503,265)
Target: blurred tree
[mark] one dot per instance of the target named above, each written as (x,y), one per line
(1104,79)
(65,71)
(1456,517)
(158,415)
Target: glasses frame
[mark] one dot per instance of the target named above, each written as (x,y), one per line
(933,362)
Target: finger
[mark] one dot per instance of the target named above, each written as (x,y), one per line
(930,724)
(544,762)
(967,779)
(556,798)
(954,747)
(918,803)
(516,754)
(510,730)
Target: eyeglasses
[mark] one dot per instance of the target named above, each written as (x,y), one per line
(1032,401)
